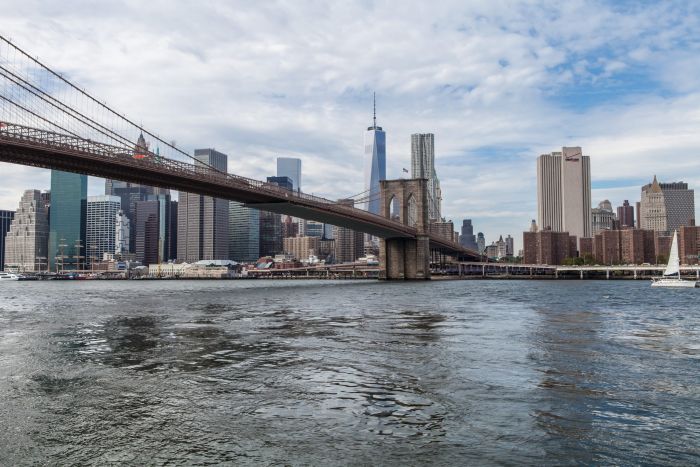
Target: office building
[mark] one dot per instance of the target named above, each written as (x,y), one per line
(603,217)
(147,226)
(423,166)
(467,238)
(349,244)
(315,229)
(290,167)
(5,222)
(101,226)
(374,163)
(665,207)
(510,246)
(284,182)
(271,223)
(167,226)
(625,215)
(122,228)
(244,233)
(26,243)
(67,224)
(480,243)
(564,192)
(202,221)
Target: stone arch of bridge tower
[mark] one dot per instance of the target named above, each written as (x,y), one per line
(405,257)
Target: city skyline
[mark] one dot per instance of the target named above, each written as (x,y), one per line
(494,109)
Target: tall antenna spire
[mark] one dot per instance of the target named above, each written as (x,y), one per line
(374,100)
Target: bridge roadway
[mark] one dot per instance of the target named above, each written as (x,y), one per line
(46,149)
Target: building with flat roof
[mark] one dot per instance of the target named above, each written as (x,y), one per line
(67,221)
(26,242)
(244,231)
(564,192)
(202,221)
(101,226)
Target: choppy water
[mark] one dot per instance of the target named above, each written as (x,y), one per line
(324,373)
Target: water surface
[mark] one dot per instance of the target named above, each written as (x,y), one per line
(323,373)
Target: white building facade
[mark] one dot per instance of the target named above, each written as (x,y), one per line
(101,226)
(564,192)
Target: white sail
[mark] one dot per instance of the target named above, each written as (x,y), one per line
(674,264)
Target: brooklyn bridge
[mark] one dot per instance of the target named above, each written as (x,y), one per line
(48,121)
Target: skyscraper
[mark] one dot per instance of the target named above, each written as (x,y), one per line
(5,222)
(467,238)
(290,167)
(26,242)
(349,244)
(148,239)
(374,162)
(423,166)
(481,243)
(101,226)
(271,223)
(122,226)
(203,220)
(244,231)
(625,214)
(67,221)
(665,207)
(564,192)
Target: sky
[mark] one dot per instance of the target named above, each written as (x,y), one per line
(498,83)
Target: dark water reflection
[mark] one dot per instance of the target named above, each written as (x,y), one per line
(348,373)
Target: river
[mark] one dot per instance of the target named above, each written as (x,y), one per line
(348,373)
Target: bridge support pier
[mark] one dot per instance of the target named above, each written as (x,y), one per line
(405,258)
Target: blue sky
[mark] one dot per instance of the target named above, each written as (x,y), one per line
(498,82)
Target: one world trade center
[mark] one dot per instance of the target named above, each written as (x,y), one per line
(375,163)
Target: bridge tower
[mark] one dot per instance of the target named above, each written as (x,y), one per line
(406,200)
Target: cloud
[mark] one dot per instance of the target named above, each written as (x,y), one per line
(498,83)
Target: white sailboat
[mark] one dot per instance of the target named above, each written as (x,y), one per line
(672,274)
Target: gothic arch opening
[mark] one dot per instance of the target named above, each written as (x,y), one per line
(411,211)
(394,209)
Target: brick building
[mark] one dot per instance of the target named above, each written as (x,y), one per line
(548,247)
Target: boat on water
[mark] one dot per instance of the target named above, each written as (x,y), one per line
(672,274)
(6,276)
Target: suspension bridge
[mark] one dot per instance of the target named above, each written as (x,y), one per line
(48,121)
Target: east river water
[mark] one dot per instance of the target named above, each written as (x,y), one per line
(348,373)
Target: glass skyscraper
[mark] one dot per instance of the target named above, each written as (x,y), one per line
(375,163)
(244,233)
(67,221)
(290,167)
